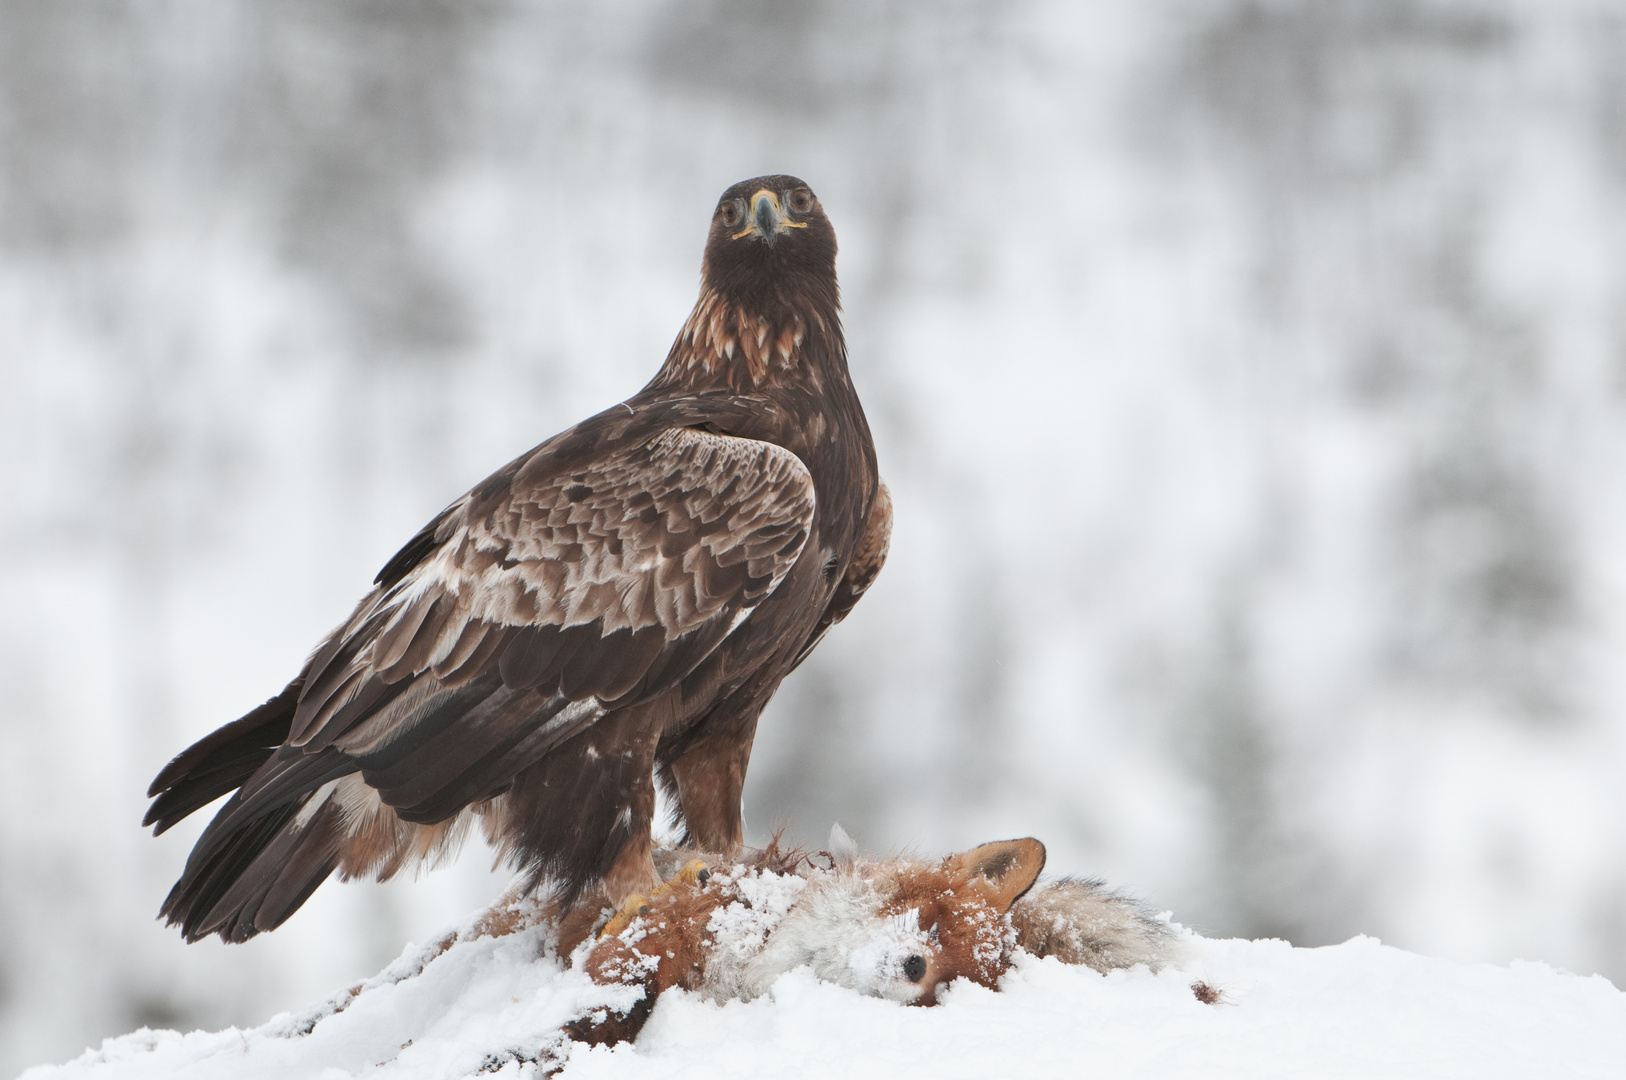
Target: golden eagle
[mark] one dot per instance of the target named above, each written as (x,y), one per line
(609,611)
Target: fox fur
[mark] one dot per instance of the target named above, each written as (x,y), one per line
(897,928)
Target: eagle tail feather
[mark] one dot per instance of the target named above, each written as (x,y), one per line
(259,875)
(282,877)
(194,899)
(264,853)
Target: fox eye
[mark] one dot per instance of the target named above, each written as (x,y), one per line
(914,968)
(932,937)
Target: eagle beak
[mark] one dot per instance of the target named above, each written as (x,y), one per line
(767,219)
(765,214)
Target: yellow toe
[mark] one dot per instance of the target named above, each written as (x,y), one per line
(695,872)
(632,907)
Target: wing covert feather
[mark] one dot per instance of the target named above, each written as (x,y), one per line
(607,581)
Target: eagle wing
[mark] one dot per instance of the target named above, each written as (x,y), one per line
(522,614)
(868,558)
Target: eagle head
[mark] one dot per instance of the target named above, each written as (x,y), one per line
(771,246)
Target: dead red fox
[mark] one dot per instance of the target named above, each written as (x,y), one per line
(893,928)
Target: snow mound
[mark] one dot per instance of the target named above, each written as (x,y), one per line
(492,1007)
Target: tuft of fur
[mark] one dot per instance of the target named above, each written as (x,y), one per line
(1083,922)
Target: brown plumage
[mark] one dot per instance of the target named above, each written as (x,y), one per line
(610,610)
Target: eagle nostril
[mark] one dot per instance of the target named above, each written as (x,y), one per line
(914,968)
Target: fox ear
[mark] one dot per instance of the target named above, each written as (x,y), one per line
(1007,868)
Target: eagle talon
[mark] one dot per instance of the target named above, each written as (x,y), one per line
(632,907)
(694,872)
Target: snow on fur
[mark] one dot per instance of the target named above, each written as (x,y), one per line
(901,929)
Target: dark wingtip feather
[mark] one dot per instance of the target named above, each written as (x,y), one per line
(259,731)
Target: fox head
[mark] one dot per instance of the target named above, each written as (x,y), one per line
(902,930)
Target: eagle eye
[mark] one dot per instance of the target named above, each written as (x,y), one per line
(732,214)
(801,200)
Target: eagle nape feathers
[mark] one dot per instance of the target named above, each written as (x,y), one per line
(607,612)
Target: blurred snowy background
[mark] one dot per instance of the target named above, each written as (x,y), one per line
(1250,377)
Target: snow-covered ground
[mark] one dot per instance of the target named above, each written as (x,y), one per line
(1360,1009)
